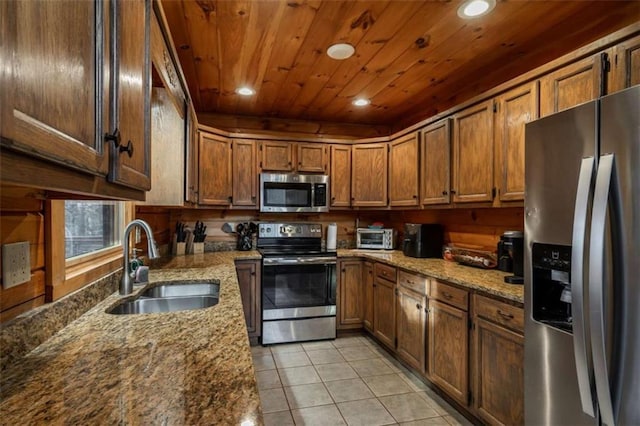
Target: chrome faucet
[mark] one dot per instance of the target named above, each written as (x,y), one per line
(126,285)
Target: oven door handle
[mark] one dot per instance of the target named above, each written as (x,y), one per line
(299,261)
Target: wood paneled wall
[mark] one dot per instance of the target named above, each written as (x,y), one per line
(22,219)
(471,228)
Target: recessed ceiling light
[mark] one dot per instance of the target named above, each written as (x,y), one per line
(245,91)
(340,51)
(475,8)
(361,102)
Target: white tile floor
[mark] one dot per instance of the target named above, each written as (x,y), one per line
(348,381)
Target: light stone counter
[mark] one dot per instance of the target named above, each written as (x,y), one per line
(490,281)
(180,368)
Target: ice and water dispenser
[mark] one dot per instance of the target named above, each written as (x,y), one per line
(551,285)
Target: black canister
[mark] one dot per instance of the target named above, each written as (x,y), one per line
(513,244)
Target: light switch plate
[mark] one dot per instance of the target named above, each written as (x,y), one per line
(16,264)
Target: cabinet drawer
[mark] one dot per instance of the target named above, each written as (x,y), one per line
(448,294)
(414,282)
(499,312)
(385,271)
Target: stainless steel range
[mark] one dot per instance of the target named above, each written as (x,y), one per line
(298,283)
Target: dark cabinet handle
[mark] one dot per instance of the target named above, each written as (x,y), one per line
(253,274)
(447,295)
(504,315)
(415,196)
(299,163)
(253,198)
(353,199)
(230,199)
(333,198)
(113,137)
(128,149)
(445,193)
(453,191)
(418,307)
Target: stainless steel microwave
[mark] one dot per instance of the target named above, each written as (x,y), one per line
(292,192)
(373,238)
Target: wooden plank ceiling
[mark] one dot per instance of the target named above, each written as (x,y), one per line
(413,58)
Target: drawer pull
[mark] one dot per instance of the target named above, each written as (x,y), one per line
(506,316)
(447,295)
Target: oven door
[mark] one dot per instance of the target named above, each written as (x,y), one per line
(298,287)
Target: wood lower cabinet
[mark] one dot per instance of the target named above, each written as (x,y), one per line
(404,161)
(411,323)
(369,175)
(513,110)
(625,65)
(312,157)
(571,85)
(214,186)
(351,294)
(276,156)
(248,272)
(435,154)
(367,279)
(340,176)
(448,349)
(498,362)
(384,311)
(473,154)
(244,178)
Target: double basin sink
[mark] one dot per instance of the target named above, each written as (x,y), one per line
(171,297)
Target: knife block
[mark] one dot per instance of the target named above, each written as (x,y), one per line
(177,249)
(198,248)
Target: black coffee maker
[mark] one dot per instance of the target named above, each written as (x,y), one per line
(511,256)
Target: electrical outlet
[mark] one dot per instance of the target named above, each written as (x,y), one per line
(16,264)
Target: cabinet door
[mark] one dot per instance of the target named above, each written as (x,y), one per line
(473,154)
(351,294)
(412,323)
(625,65)
(191,177)
(244,180)
(369,175)
(131,161)
(54,88)
(249,278)
(435,163)
(514,109)
(215,170)
(367,277)
(499,374)
(312,158)
(569,86)
(448,350)
(340,179)
(403,171)
(384,312)
(276,156)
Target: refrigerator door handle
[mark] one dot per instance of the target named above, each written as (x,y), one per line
(597,281)
(581,347)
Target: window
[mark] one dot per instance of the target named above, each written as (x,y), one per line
(91,226)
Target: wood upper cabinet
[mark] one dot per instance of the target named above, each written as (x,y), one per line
(384,304)
(403,171)
(498,362)
(351,304)
(131,161)
(625,65)
(340,176)
(513,110)
(473,154)
(369,175)
(571,85)
(55,94)
(214,186)
(193,143)
(411,322)
(249,281)
(244,179)
(276,156)
(312,157)
(435,161)
(367,279)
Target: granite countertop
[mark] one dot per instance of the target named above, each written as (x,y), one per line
(188,367)
(489,281)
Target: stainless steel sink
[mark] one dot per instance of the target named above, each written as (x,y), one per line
(183,289)
(164,304)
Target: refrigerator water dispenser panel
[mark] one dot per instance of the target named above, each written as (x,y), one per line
(551,285)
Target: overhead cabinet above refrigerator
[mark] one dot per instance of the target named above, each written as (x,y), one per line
(582,245)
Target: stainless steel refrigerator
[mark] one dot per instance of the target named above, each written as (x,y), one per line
(582,264)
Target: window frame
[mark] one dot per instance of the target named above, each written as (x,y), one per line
(65,276)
